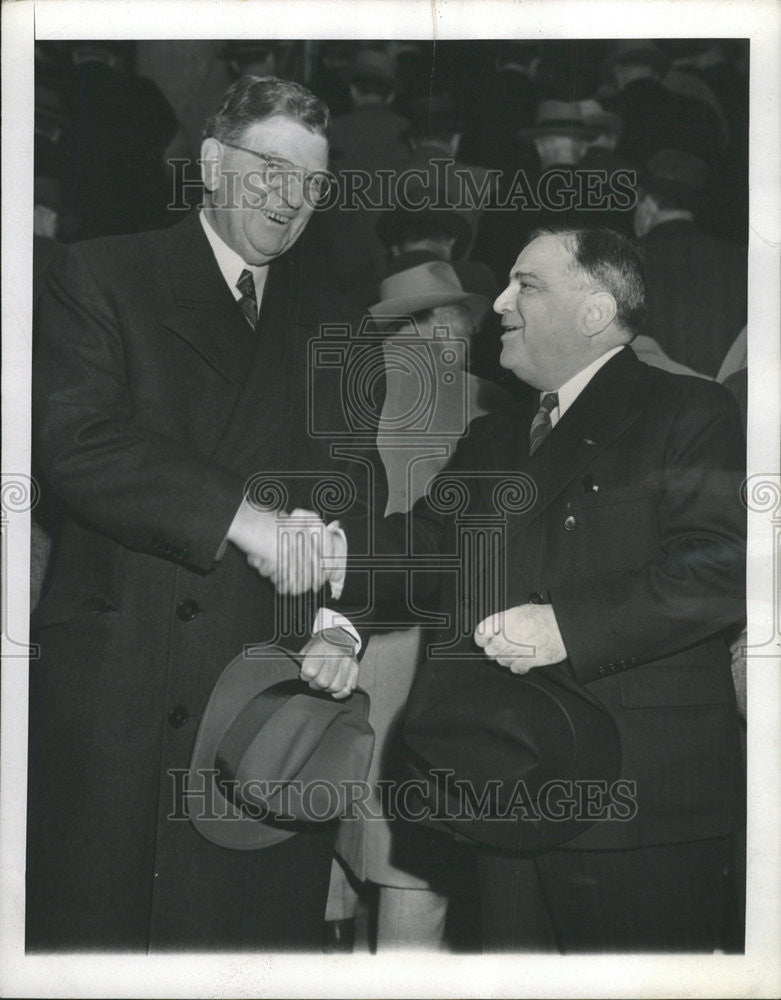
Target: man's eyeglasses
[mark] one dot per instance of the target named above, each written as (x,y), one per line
(278,173)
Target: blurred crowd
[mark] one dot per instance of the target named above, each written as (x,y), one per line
(495,138)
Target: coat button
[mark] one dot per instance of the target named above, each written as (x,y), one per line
(536,598)
(187,610)
(177,716)
(570,523)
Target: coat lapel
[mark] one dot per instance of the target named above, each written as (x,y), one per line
(608,405)
(205,313)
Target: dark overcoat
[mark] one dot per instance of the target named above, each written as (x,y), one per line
(628,520)
(154,405)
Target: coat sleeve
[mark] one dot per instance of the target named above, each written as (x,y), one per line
(404,537)
(147,491)
(694,586)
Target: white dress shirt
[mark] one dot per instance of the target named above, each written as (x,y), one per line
(231,265)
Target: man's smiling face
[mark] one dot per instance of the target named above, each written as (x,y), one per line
(541,341)
(257,219)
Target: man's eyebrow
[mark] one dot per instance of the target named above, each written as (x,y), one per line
(517,275)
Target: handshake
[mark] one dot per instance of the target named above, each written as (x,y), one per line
(298,552)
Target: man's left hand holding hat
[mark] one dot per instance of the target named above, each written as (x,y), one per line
(329,662)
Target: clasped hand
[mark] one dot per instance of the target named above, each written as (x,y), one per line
(521,638)
(295,551)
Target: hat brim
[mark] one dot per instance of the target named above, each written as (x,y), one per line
(606,123)
(394,310)
(692,198)
(540,729)
(569,132)
(645,57)
(211,813)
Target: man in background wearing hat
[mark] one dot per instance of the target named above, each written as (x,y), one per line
(562,186)
(171,380)
(615,586)
(367,139)
(415,237)
(697,283)
(447,183)
(659,110)
(429,322)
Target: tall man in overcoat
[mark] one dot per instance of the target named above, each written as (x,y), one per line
(623,572)
(171,368)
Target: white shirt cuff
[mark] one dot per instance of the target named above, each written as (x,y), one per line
(335,558)
(326,618)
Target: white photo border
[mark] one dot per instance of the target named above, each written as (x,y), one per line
(755,974)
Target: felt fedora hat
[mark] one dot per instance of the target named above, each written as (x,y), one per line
(271,755)
(636,51)
(676,174)
(370,64)
(416,289)
(595,116)
(559,118)
(406,222)
(506,760)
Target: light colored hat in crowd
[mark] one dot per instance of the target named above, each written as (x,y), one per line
(563,118)
(595,116)
(417,289)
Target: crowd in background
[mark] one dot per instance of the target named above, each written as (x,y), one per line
(665,124)
(667,121)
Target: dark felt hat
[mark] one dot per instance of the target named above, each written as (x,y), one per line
(271,755)
(434,114)
(636,51)
(403,222)
(527,746)
(369,64)
(676,174)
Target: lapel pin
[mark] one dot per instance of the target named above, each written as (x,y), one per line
(589,441)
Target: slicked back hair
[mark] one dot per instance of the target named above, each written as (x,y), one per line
(613,264)
(252,99)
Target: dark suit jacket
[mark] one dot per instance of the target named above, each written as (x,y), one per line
(154,405)
(628,520)
(697,288)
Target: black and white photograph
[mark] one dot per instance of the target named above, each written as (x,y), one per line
(391,508)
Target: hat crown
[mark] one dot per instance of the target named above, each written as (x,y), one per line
(551,111)
(374,64)
(678,166)
(435,277)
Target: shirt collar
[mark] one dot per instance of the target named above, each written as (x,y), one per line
(230,263)
(573,387)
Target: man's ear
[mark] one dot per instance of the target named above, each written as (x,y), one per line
(597,312)
(211,163)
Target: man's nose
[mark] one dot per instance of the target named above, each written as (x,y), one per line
(503,301)
(292,188)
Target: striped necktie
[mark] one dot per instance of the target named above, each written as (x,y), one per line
(541,425)
(248,301)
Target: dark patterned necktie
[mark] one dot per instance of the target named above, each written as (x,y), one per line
(248,301)
(541,425)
